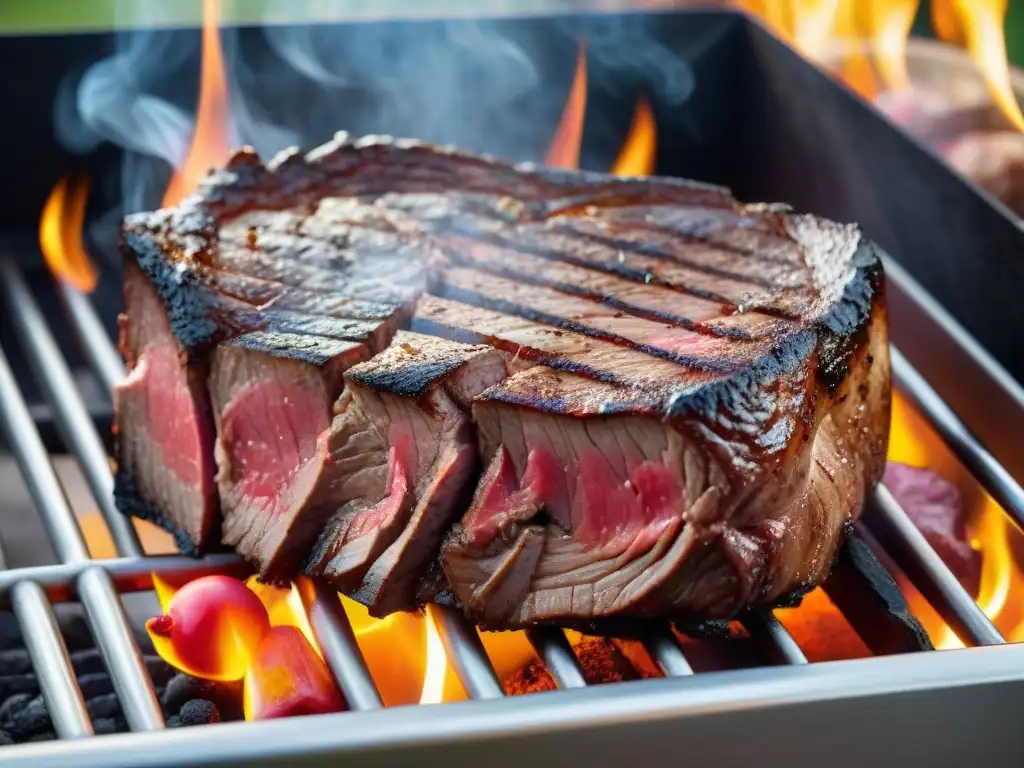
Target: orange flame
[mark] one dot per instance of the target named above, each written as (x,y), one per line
(847,31)
(978,24)
(210,140)
(436,664)
(60,234)
(636,158)
(565,147)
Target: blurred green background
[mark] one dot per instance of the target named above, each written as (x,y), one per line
(43,16)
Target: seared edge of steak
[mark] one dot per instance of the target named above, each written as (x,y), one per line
(404,460)
(164,428)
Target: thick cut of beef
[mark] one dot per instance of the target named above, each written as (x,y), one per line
(405,458)
(641,397)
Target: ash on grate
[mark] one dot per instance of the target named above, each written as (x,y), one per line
(185,700)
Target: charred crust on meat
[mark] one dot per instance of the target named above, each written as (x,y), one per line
(131,504)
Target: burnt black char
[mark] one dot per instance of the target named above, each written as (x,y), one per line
(641,397)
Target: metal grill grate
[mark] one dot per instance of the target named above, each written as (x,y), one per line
(98,584)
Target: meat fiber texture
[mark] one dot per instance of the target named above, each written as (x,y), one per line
(543,396)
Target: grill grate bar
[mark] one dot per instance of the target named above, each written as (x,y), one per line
(113,636)
(779,644)
(57,383)
(662,646)
(925,569)
(43,485)
(104,359)
(555,651)
(335,637)
(129,574)
(95,589)
(51,662)
(954,432)
(466,653)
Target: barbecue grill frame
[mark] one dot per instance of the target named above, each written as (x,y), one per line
(891,710)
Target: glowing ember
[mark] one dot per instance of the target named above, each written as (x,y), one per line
(637,155)
(60,234)
(210,141)
(287,678)
(284,607)
(565,147)
(210,628)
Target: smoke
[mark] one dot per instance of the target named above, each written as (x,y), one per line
(486,85)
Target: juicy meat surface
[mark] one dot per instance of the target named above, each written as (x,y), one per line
(404,446)
(638,397)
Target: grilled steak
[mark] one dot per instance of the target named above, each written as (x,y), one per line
(641,397)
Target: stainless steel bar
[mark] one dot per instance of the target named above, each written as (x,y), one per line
(103,358)
(990,473)
(20,431)
(555,651)
(113,636)
(77,429)
(766,629)
(662,646)
(466,654)
(334,634)
(50,661)
(129,574)
(911,551)
(907,699)
(94,587)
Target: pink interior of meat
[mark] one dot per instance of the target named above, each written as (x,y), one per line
(270,431)
(630,515)
(380,513)
(172,421)
(607,513)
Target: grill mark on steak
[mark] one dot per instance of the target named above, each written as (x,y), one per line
(652,302)
(618,483)
(564,350)
(587,317)
(698,255)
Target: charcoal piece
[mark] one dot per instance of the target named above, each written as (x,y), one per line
(12,704)
(10,632)
(16,684)
(5,738)
(76,633)
(105,706)
(114,724)
(198,712)
(14,661)
(871,601)
(95,684)
(182,688)
(160,672)
(28,721)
